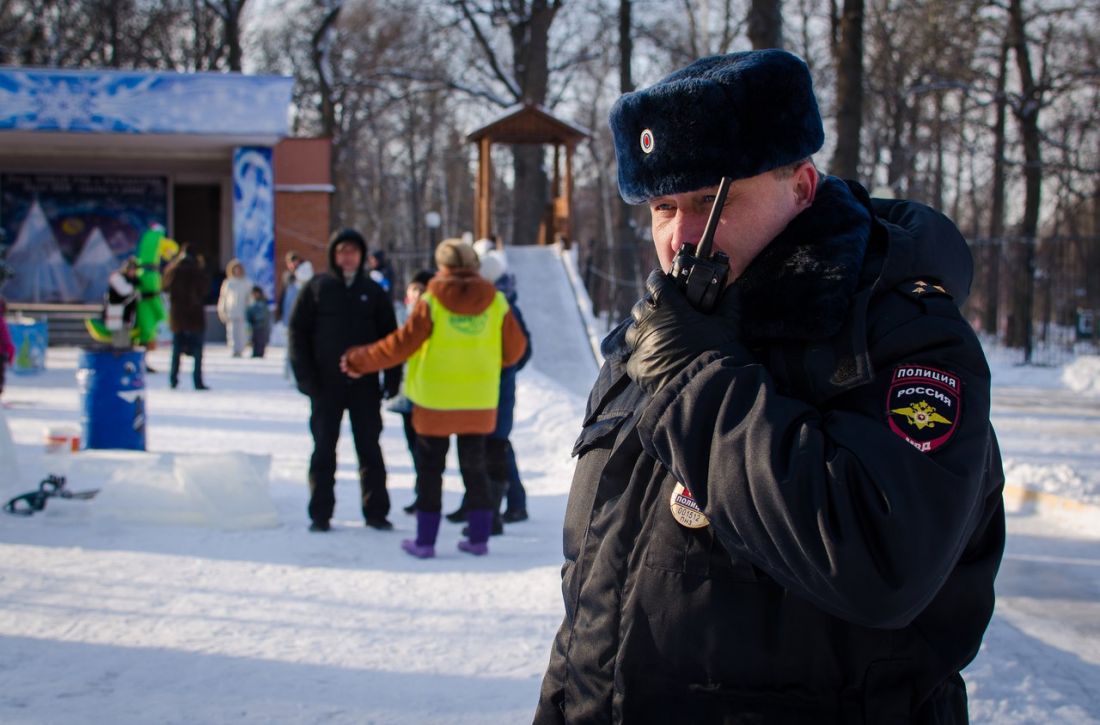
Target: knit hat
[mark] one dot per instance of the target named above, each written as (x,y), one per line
(493,264)
(422,276)
(455,254)
(484,245)
(735,115)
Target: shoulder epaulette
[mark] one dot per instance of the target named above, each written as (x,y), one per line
(920,289)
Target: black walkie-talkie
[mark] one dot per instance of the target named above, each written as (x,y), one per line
(700,275)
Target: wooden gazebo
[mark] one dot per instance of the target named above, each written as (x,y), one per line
(529,124)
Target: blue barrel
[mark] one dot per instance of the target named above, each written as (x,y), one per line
(30,337)
(112,385)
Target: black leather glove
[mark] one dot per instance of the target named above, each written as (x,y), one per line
(668,333)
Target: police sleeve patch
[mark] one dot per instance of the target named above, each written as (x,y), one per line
(923,405)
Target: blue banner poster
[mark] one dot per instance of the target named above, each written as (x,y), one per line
(254,215)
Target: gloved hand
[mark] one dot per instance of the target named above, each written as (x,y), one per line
(668,333)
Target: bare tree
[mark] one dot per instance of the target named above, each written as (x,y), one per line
(626,276)
(847,30)
(765,24)
(229,11)
(320,47)
(524,80)
(997,201)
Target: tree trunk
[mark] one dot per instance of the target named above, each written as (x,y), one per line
(319,47)
(938,142)
(991,318)
(531,64)
(113,60)
(1027,116)
(233,10)
(848,58)
(531,195)
(624,258)
(766,24)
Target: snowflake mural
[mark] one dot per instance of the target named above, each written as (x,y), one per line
(254,215)
(127,102)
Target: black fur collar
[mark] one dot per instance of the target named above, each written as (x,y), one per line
(801,285)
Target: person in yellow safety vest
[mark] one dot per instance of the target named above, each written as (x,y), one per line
(457,338)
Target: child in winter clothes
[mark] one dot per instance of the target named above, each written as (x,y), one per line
(259,319)
(7,348)
(233,301)
(460,334)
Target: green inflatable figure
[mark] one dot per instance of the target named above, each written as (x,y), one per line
(153,249)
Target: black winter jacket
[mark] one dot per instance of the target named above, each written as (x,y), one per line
(331,316)
(846,575)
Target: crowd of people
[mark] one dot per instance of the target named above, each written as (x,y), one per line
(449,369)
(462,337)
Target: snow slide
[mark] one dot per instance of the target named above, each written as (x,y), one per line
(553,306)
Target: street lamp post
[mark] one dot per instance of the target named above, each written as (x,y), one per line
(433,220)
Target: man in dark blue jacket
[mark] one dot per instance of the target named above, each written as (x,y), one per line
(786,510)
(334,311)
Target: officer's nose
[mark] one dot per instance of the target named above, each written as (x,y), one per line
(687,228)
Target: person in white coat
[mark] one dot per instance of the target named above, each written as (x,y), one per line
(236,294)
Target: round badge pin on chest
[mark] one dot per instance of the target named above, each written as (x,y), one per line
(647,141)
(685,509)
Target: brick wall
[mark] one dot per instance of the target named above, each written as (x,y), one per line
(301,225)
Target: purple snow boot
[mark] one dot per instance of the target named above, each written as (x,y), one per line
(427,527)
(481,521)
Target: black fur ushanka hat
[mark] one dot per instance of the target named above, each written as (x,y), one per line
(735,115)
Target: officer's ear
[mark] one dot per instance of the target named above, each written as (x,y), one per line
(804,183)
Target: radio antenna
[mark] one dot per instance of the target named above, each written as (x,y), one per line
(712,222)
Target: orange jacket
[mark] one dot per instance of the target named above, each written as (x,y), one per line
(463,292)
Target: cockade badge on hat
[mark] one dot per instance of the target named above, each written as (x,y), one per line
(647,141)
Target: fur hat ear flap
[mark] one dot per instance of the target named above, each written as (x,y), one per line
(735,115)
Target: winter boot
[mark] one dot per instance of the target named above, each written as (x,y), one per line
(497,490)
(427,527)
(481,520)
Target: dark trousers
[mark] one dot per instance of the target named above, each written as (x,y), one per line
(504,469)
(410,441)
(431,459)
(186,343)
(259,343)
(410,436)
(366,427)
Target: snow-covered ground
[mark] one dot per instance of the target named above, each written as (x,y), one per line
(104,618)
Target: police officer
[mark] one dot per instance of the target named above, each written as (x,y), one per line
(787,509)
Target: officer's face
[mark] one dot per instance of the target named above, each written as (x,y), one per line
(348,257)
(756,210)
